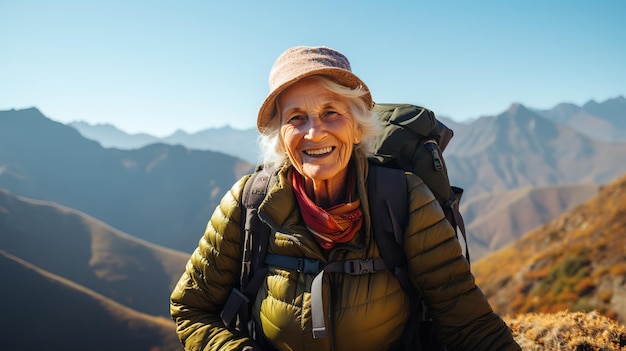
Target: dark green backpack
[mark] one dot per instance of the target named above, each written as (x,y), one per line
(412,140)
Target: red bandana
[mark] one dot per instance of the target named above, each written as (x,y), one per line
(337,224)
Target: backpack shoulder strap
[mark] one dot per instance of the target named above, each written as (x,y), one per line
(388,199)
(255,238)
(254,251)
(389,206)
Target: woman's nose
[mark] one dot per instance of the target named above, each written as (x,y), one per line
(315,128)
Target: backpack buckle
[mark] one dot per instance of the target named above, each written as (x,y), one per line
(309,266)
(431,145)
(357,267)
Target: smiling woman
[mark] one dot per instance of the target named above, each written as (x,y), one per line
(318,131)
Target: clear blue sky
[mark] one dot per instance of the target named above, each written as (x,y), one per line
(157,66)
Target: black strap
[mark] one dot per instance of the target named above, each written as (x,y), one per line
(254,192)
(388,198)
(235,312)
(453,204)
(304,265)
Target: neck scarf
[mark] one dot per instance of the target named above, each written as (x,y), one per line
(337,224)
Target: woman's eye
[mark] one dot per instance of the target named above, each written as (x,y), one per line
(296,118)
(330,113)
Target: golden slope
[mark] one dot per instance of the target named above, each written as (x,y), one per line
(576,262)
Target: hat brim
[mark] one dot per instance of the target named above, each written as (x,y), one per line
(341,76)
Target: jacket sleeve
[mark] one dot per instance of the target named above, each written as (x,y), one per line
(210,274)
(463,317)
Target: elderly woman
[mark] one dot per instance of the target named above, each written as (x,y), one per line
(317,131)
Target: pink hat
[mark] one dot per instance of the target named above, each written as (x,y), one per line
(304,61)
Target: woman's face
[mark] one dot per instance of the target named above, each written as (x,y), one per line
(318,132)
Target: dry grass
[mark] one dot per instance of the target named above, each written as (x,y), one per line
(563,331)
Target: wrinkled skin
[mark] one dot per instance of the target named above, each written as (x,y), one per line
(318,132)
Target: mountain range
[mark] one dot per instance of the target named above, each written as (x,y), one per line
(520,148)
(241,143)
(96,237)
(161,193)
(165,193)
(600,121)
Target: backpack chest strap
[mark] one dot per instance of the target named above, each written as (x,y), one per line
(311,266)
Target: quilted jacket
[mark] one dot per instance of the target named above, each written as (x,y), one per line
(367,312)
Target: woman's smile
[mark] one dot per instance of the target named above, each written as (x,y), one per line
(319,152)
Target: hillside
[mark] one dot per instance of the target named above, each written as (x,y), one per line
(79,248)
(496,220)
(576,262)
(48,312)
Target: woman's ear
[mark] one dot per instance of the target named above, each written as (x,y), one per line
(280,145)
(357,135)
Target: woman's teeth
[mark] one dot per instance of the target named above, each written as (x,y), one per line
(319,151)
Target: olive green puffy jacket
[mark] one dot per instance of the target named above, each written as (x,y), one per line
(368,312)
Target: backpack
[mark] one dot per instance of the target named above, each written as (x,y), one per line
(412,140)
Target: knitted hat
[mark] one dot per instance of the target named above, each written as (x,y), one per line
(304,61)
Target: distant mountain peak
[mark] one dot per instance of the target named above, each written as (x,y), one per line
(28,111)
(179,133)
(517,108)
(96,125)
(518,111)
(616,101)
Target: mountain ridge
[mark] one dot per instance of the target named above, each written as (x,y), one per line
(605,121)
(494,220)
(520,148)
(43,159)
(515,149)
(602,121)
(73,245)
(69,316)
